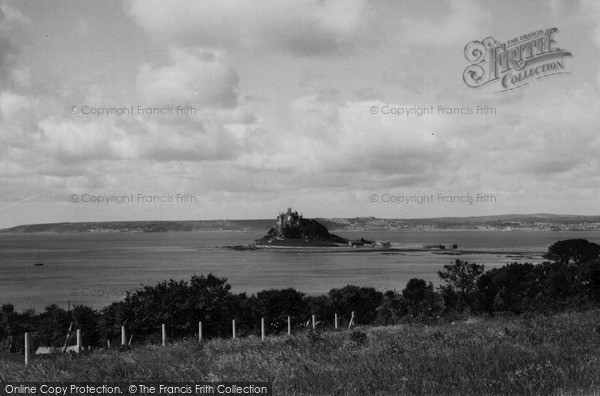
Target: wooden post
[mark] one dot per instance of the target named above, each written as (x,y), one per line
(233,328)
(200,331)
(130,338)
(336,323)
(67,338)
(351,321)
(78,340)
(289,326)
(313,322)
(164,335)
(26,348)
(123,337)
(262,329)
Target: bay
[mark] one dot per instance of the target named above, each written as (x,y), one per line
(97,269)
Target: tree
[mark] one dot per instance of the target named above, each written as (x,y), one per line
(178,304)
(362,300)
(392,308)
(576,250)
(421,298)
(509,288)
(590,279)
(462,281)
(86,319)
(415,290)
(276,305)
(53,325)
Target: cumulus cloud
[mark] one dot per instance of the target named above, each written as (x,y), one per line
(11,20)
(199,78)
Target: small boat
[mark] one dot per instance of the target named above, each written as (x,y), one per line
(39,262)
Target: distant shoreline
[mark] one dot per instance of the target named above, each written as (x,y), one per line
(529,222)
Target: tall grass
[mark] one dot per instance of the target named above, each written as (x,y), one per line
(537,355)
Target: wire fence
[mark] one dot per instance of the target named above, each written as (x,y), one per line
(73,339)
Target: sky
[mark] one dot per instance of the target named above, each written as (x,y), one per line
(232,109)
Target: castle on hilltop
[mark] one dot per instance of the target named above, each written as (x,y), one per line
(287,219)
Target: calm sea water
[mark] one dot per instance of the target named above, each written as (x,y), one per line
(97,269)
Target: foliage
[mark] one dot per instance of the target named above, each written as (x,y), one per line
(363,301)
(421,298)
(576,250)
(392,309)
(461,278)
(276,305)
(510,288)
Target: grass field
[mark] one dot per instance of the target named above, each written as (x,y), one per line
(539,355)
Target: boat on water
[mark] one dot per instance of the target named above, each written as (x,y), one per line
(39,262)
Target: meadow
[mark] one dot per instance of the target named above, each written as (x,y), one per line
(528,354)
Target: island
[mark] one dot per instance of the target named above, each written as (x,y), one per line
(292,230)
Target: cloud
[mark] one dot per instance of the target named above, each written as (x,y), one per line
(12,104)
(313,27)
(10,22)
(198,78)
(133,138)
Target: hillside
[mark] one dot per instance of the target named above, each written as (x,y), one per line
(145,226)
(557,354)
(535,222)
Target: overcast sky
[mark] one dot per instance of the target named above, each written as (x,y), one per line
(283,93)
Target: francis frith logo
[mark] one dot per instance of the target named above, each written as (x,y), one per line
(516,62)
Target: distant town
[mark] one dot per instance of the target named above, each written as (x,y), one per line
(530,222)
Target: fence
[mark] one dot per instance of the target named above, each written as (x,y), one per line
(79,347)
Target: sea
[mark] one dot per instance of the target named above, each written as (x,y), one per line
(96,269)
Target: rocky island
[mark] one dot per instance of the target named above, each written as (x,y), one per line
(292,230)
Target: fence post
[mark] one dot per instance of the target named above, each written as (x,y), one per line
(313,322)
(200,331)
(123,337)
(26,348)
(262,329)
(289,326)
(78,340)
(164,335)
(233,327)
(336,322)
(351,321)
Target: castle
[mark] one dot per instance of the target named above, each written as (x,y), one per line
(287,219)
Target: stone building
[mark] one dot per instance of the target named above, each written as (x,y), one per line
(287,219)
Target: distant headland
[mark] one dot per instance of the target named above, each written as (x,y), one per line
(509,222)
